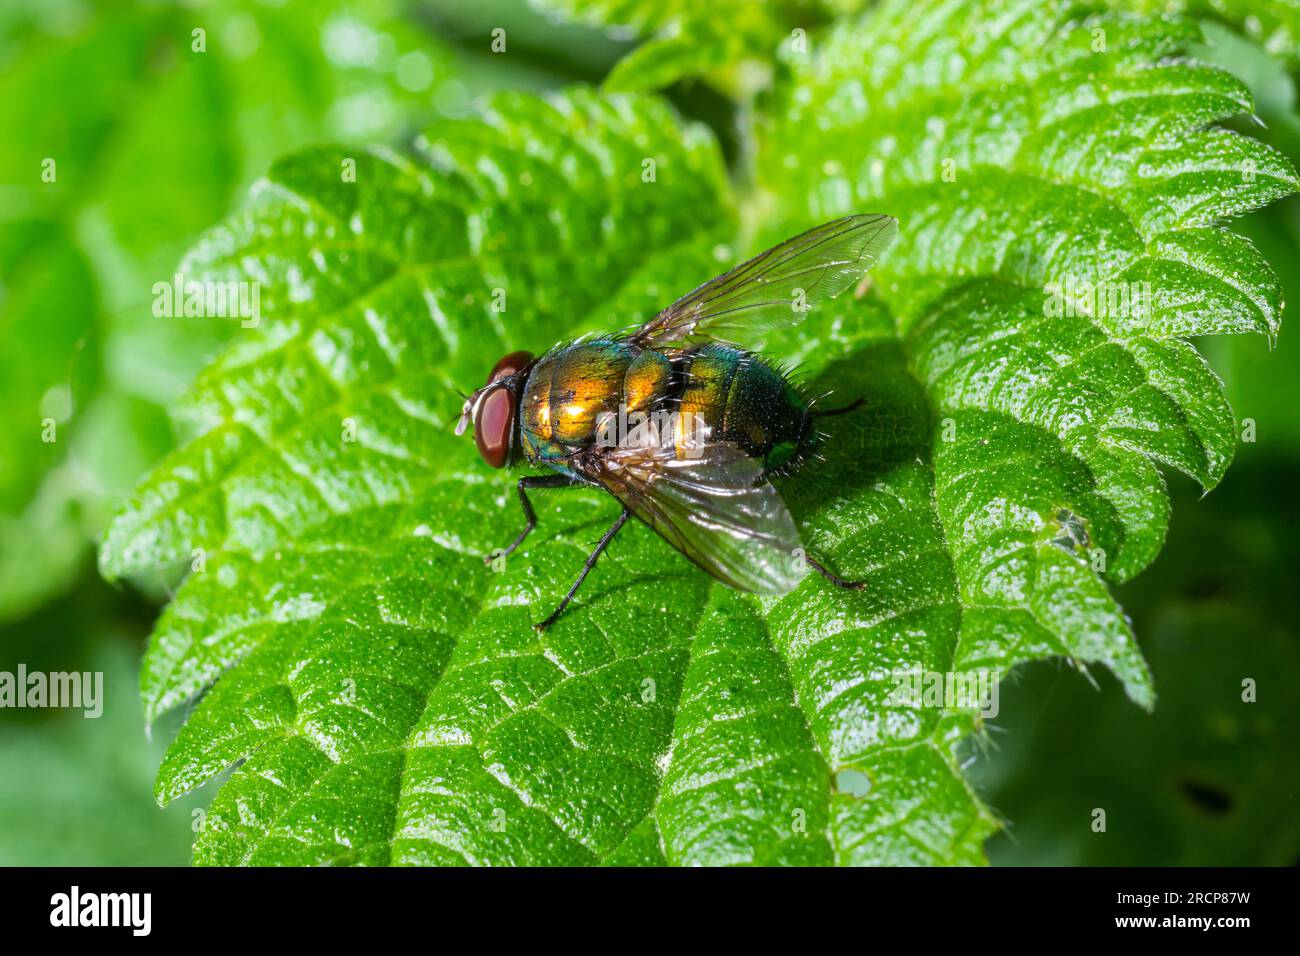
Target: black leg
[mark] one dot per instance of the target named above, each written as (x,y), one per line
(530,517)
(851,406)
(834,578)
(591,563)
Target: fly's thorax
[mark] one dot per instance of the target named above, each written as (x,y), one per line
(568,392)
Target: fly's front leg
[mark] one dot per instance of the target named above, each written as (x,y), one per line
(832,577)
(591,563)
(530,516)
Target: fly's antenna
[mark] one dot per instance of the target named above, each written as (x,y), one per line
(474,400)
(461,421)
(464,397)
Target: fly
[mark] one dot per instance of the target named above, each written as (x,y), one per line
(682,427)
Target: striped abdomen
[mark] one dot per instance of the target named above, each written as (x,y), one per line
(746,401)
(735,393)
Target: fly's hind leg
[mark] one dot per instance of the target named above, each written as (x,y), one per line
(832,577)
(816,565)
(832,412)
(591,563)
(530,516)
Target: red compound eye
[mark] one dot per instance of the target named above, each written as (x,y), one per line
(495,423)
(512,364)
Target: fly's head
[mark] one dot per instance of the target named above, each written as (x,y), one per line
(493,408)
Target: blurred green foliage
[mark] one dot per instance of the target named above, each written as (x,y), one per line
(74,791)
(132,127)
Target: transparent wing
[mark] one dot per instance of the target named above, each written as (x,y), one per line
(778,286)
(718,509)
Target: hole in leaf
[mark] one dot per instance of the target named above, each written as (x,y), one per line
(855,783)
(1073,534)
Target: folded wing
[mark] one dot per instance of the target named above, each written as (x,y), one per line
(776,287)
(715,507)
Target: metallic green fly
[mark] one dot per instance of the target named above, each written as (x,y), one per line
(682,427)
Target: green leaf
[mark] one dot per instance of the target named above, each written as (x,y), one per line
(729,42)
(383,697)
(1058,156)
(375,657)
(662,62)
(1274,24)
